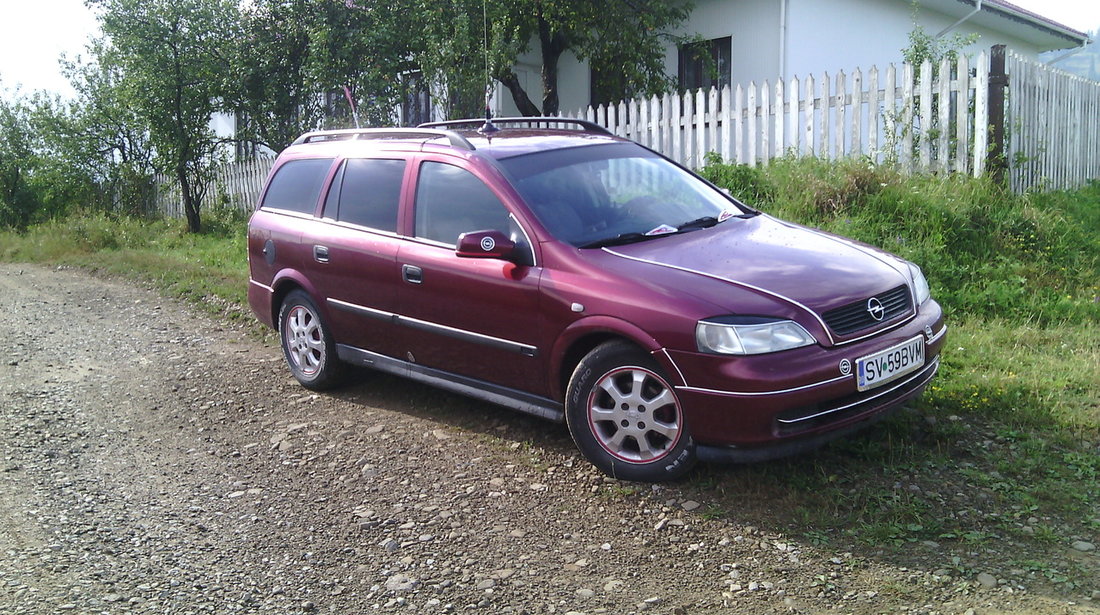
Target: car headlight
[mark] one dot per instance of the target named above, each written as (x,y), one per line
(748,335)
(920,284)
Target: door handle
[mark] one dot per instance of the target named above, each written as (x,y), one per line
(411,274)
(320,254)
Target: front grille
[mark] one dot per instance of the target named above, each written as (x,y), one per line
(855,316)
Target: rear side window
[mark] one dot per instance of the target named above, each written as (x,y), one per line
(297,185)
(370,193)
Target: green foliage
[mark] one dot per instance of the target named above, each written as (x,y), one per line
(745,183)
(625,37)
(923,46)
(42,173)
(105,135)
(276,98)
(174,66)
(366,46)
(208,268)
(18,203)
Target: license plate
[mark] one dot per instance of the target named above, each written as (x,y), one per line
(890,364)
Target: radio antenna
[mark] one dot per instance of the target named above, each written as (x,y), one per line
(487,128)
(351,103)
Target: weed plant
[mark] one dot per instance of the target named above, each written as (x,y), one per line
(209,268)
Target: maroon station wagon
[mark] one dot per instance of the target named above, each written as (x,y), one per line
(552,267)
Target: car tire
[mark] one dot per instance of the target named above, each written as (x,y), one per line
(626,418)
(308,346)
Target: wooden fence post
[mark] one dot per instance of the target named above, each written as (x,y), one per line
(998,81)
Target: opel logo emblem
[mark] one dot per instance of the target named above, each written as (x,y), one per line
(875,309)
(487,244)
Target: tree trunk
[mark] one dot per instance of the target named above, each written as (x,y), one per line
(552,45)
(190,203)
(519,96)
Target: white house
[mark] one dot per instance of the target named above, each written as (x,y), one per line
(754,40)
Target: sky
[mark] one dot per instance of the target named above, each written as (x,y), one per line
(35,33)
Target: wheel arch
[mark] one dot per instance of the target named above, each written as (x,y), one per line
(286,282)
(586,334)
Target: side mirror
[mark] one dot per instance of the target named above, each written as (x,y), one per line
(485,244)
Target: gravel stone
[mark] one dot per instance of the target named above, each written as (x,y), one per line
(401,583)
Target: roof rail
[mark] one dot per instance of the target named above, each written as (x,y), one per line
(499,121)
(362,134)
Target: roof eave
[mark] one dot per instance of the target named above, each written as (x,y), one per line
(1020,15)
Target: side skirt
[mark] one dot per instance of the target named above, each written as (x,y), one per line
(478,389)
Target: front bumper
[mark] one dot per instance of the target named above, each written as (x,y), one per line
(768,406)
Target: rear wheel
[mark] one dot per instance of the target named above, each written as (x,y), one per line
(626,418)
(307,343)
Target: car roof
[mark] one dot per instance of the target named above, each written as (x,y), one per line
(511,142)
(503,138)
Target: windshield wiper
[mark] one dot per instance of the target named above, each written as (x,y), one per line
(698,223)
(618,240)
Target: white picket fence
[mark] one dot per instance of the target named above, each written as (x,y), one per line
(922,119)
(1054,128)
(235,185)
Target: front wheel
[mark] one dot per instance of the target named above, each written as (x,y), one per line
(626,418)
(308,344)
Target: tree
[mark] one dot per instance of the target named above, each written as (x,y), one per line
(42,173)
(276,100)
(367,46)
(174,66)
(452,54)
(459,39)
(105,135)
(295,57)
(625,36)
(18,203)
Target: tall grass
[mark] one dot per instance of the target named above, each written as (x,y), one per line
(209,268)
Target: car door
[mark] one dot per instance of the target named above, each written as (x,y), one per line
(476,318)
(355,253)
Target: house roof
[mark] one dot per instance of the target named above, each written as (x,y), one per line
(999,15)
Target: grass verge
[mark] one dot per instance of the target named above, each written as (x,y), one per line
(208,269)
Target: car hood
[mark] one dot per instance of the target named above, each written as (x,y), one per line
(808,268)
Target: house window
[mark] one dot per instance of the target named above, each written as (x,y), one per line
(705,64)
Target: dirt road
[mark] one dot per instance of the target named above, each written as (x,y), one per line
(154,460)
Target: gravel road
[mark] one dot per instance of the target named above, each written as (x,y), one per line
(157,460)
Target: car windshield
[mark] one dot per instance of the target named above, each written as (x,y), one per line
(601,195)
